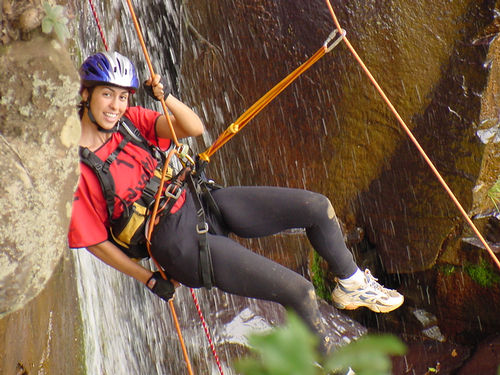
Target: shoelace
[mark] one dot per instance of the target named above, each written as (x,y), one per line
(373,281)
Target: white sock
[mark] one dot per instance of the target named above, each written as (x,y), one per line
(354,281)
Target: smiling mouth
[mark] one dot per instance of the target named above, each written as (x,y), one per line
(111,116)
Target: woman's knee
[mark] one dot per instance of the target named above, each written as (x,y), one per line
(323,207)
(302,292)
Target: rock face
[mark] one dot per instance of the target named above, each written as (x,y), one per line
(39,129)
(331,132)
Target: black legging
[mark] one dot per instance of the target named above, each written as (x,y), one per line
(252,212)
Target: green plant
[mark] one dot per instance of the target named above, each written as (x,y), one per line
(447,269)
(494,194)
(483,273)
(318,276)
(369,355)
(291,350)
(55,20)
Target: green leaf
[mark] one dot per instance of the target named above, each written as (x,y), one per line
(61,31)
(58,11)
(288,350)
(367,356)
(47,25)
(47,8)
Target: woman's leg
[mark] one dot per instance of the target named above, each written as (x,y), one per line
(236,269)
(260,211)
(240,271)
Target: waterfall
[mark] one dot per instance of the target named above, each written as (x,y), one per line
(127,329)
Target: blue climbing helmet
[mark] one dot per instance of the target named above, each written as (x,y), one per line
(109,68)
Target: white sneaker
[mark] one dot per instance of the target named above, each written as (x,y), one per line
(370,294)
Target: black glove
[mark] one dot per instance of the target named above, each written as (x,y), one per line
(162,288)
(149,89)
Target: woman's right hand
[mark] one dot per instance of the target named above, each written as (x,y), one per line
(164,289)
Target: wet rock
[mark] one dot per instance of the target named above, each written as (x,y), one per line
(330,132)
(431,357)
(233,318)
(485,360)
(467,310)
(429,323)
(39,129)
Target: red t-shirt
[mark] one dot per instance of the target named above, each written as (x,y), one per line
(131,171)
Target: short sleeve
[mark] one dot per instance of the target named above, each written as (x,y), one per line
(89,218)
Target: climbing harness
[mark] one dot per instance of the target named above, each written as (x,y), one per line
(128,231)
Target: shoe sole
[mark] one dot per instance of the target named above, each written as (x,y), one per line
(377,309)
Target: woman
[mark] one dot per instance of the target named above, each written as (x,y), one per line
(108,80)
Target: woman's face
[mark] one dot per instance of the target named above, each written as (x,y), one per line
(108,104)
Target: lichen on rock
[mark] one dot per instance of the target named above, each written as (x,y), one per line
(39,165)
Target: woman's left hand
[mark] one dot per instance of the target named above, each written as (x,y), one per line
(155,87)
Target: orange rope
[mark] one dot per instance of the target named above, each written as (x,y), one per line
(178,329)
(155,212)
(151,70)
(251,112)
(160,189)
(413,139)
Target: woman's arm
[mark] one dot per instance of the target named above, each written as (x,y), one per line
(113,256)
(185,122)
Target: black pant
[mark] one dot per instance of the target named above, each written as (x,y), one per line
(252,212)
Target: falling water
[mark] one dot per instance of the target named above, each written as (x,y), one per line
(127,329)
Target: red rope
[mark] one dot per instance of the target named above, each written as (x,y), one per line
(207,333)
(98,25)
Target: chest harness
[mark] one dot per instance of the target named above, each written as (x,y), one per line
(128,232)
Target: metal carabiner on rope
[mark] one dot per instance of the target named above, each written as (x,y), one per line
(330,38)
(183,154)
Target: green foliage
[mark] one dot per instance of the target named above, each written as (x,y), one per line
(287,350)
(367,356)
(56,21)
(494,194)
(483,273)
(318,278)
(447,269)
(291,350)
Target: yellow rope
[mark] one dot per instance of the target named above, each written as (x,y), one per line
(251,112)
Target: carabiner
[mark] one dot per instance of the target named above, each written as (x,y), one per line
(183,154)
(330,38)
